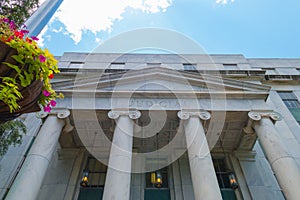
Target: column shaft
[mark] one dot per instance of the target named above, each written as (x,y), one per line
(42,16)
(284,166)
(117,183)
(204,178)
(29,180)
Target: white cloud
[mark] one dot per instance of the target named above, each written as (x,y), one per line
(100,15)
(42,36)
(98,40)
(224,1)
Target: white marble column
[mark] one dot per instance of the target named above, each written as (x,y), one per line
(117,183)
(283,164)
(29,180)
(204,178)
(39,19)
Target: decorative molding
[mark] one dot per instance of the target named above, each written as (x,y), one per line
(204,115)
(68,128)
(134,114)
(41,114)
(184,115)
(115,114)
(248,136)
(256,115)
(162,73)
(61,113)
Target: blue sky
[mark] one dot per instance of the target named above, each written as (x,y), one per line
(255,28)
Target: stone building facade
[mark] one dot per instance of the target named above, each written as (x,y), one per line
(168,127)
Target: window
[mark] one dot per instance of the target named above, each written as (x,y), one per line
(189,66)
(93,190)
(97,172)
(76,65)
(117,65)
(270,71)
(153,65)
(292,103)
(230,66)
(221,172)
(164,174)
(289,99)
(152,192)
(223,179)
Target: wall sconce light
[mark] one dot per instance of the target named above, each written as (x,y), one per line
(232,180)
(156,179)
(153,177)
(85,179)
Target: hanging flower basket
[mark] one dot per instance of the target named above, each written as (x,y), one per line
(25,73)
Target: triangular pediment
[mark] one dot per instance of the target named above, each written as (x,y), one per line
(157,80)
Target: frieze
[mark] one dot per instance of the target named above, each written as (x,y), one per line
(106,103)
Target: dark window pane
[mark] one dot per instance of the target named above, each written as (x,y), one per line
(228,194)
(225,180)
(90,193)
(155,194)
(117,66)
(219,177)
(287,95)
(292,103)
(188,66)
(222,173)
(230,66)
(97,172)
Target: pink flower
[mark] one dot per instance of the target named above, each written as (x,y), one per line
(46,93)
(12,25)
(24,31)
(47,108)
(42,58)
(6,20)
(53,103)
(34,38)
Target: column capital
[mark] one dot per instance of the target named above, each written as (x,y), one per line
(132,114)
(257,115)
(61,113)
(202,114)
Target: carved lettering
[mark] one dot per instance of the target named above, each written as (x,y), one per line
(139,103)
(163,103)
(149,103)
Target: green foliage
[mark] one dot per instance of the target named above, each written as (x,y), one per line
(11,134)
(9,93)
(33,63)
(18,10)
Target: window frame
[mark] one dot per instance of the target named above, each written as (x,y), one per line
(189,66)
